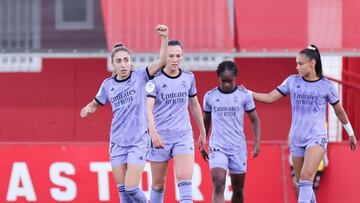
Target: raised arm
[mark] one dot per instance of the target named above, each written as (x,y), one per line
(89,108)
(154,67)
(197,114)
(267,98)
(255,121)
(341,114)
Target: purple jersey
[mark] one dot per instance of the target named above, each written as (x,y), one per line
(128,101)
(308,103)
(171,95)
(227,117)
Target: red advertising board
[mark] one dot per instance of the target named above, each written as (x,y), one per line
(80,172)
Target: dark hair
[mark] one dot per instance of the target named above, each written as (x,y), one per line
(313,52)
(118,47)
(227,65)
(175,42)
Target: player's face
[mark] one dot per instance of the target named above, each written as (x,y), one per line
(122,64)
(174,57)
(227,81)
(304,65)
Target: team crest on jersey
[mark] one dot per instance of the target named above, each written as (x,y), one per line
(183,83)
(236,100)
(150,87)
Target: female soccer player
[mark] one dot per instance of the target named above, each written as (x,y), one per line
(129,139)
(309,92)
(224,108)
(169,95)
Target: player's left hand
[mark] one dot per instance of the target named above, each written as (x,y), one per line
(352,142)
(255,150)
(202,146)
(204,155)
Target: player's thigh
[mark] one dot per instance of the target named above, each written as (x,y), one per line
(313,156)
(159,172)
(237,181)
(133,174)
(297,165)
(119,172)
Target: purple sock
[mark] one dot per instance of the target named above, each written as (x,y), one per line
(124,198)
(306,192)
(136,194)
(185,191)
(156,196)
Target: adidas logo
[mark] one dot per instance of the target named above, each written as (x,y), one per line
(164,86)
(112,89)
(217,100)
(298,86)
(141,158)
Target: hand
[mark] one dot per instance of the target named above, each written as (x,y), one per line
(202,141)
(256,150)
(156,139)
(352,142)
(162,30)
(86,111)
(202,146)
(204,155)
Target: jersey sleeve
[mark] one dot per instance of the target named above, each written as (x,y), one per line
(144,73)
(284,88)
(332,96)
(206,103)
(249,105)
(193,90)
(102,97)
(151,90)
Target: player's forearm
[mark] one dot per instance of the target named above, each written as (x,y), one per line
(267,98)
(256,129)
(196,111)
(157,65)
(341,114)
(262,97)
(163,51)
(150,115)
(151,123)
(207,123)
(93,105)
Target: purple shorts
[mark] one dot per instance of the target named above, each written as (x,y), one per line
(128,154)
(300,150)
(235,162)
(183,146)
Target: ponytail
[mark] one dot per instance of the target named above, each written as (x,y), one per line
(313,53)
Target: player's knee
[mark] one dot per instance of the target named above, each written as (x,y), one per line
(238,192)
(159,183)
(183,176)
(219,185)
(306,175)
